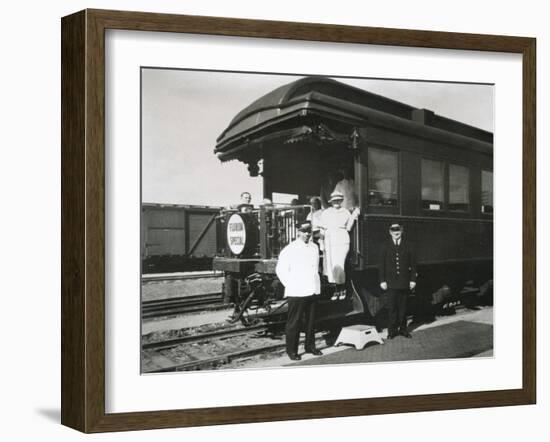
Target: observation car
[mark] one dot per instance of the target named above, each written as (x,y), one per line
(429,173)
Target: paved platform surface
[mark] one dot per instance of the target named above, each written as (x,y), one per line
(457,339)
(180,275)
(156,290)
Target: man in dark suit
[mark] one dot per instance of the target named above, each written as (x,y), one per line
(397,273)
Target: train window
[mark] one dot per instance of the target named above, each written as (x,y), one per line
(433,173)
(486,191)
(459,187)
(382,171)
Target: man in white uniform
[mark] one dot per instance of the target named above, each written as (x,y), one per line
(298,270)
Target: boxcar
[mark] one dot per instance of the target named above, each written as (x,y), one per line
(432,174)
(178,238)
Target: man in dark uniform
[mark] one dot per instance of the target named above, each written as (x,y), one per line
(397,273)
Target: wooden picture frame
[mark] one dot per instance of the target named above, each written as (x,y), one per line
(83,220)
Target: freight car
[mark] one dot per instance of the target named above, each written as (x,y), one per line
(432,174)
(178,238)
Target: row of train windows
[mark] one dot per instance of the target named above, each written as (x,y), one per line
(383,191)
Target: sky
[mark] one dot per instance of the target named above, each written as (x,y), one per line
(183,112)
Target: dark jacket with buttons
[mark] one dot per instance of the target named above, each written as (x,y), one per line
(397,264)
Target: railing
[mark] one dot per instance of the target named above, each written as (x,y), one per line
(278,226)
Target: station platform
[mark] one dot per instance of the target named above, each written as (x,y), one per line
(158,287)
(469,336)
(180,275)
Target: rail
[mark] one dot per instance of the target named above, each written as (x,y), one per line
(277,226)
(180,305)
(280,227)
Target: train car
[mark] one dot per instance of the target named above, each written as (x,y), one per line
(178,238)
(432,174)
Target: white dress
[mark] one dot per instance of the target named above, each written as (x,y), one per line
(336,223)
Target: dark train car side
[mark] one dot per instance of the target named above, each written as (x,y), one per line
(441,185)
(408,165)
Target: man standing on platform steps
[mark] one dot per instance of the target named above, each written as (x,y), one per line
(298,270)
(397,272)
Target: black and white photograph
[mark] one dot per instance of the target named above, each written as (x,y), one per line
(272,221)
(302,220)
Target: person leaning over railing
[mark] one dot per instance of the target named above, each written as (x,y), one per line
(245,206)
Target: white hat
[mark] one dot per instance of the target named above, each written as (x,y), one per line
(334,196)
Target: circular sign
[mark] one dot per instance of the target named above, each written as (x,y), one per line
(236,234)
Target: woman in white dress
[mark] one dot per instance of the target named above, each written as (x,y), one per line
(336,222)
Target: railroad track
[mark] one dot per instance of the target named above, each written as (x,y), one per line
(237,331)
(221,359)
(213,340)
(183,304)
